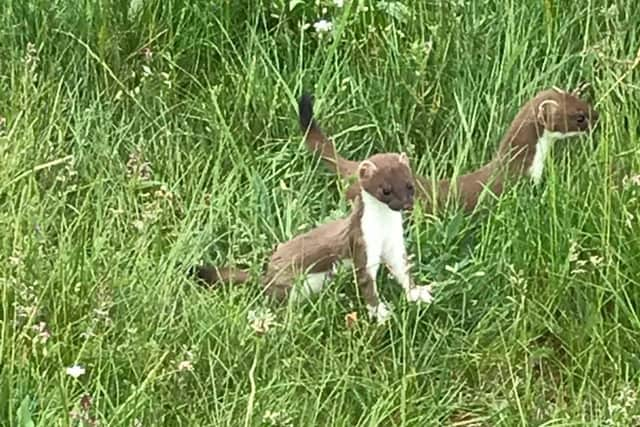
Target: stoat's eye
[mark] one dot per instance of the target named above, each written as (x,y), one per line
(581,118)
(386,191)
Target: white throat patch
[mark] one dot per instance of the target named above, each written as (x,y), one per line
(542,148)
(382,232)
(383,236)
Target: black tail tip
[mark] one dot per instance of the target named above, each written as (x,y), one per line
(305,110)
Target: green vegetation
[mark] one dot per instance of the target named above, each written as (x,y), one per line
(139,137)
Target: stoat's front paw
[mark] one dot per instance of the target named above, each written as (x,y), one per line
(420,294)
(380,312)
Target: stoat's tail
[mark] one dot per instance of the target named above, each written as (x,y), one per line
(318,143)
(214,276)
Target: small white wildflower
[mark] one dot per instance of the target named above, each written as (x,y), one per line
(323,26)
(100,312)
(277,418)
(338,3)
(631,181)
(43,332)
(428,46)
(75,371)
(138,225)
(595,260)
(44,336)
(261,321)
(185,365)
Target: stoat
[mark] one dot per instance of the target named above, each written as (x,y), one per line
(370,235)
(551,115)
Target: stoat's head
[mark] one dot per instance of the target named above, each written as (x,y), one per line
(388,178)
(564,114)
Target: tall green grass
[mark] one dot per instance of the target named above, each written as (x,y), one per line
(141,137)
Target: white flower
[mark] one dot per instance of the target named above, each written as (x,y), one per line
(277,418)
(100,312)
(261,321)
(629,181)
(338,3)
(138,225)
(43,333)
(323,26)
(75,371)
(596,260)
(185,365)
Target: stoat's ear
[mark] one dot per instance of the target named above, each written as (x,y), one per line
(366,169)
(546,109)
(403,158)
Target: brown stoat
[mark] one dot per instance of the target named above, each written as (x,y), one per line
(551,115)
(370,235)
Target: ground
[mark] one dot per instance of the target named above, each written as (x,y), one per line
(138,138)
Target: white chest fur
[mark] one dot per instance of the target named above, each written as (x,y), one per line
(542,149)
(382,232)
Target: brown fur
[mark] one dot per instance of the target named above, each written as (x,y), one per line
(318,143)
(318,250)
(552,109)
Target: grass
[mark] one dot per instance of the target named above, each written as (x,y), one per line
(140,137)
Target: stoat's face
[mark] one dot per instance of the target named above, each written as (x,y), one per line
(388,178)
(562,112)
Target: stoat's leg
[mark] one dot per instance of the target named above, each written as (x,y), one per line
(396,260)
